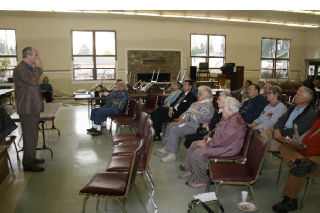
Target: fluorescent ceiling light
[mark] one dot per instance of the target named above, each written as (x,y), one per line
(242,20)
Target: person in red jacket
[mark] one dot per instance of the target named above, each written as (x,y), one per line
(294,183)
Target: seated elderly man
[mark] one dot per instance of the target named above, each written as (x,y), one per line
(175,109)
(298,174)
(272,112)
(302,114)
(252,108)
(199,112)
(243,91)
(115,102)
(225,140)
(261,84)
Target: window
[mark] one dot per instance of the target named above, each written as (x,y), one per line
(208,48)
(94,55)
(8,53)
(275,58)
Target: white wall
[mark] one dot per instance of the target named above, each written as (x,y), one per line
(50,33)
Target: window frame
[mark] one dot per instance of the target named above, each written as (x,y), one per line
(94,55)
(11,56)
(275,59)
(207,57)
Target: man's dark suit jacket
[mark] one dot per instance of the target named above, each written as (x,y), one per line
(304,121)
(29,99)
(184,104)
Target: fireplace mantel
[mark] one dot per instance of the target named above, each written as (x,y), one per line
(148,61)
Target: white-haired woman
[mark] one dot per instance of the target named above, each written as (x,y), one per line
(225,140)
(199,112)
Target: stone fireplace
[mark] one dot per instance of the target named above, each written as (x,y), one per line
(142,63)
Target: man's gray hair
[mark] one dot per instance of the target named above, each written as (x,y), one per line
(27,51)
(232,104)
(307,92)
(207,91)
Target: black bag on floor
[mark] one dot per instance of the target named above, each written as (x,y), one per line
(7,125)
(213,206)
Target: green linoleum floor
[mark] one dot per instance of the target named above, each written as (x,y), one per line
(78,156)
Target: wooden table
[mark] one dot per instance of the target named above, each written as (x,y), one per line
(49,114)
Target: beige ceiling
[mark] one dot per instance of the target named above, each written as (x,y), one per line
(285,17)
(301,17)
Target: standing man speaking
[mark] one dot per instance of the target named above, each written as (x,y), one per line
(29,105)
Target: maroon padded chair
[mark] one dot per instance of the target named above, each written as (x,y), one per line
(132,137)
(130,121)
(241,174)
(128,114)
(151,103)
(126,149)
(112,185)
(122,163)
(243,152)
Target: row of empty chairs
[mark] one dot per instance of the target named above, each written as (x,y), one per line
(131,155)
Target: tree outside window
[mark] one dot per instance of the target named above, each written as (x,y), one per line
(8,53)
(94,55)
(275,58)
(208,48)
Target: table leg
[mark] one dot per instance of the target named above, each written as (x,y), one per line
(44,147)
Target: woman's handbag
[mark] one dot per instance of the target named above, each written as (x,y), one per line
(213,206)
(7,125)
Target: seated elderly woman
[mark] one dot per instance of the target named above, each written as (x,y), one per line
(226,140)
(199,112)
(46,90)
(215,119)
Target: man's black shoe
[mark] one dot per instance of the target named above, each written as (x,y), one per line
(287,204)
(97,133)
(92,130)
(182,168)
(157,138)
(38,161)
(33,168)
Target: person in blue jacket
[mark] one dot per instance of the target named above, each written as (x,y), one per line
(252,108)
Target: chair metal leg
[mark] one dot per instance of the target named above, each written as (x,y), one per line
(309,180)
(97,205)
(15,146)
(218,187)
(121,202)
(84,204)
(208,186)
(279,171)
(150,179)
(106,206)
(253,195)
(116,129)
(9,161)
